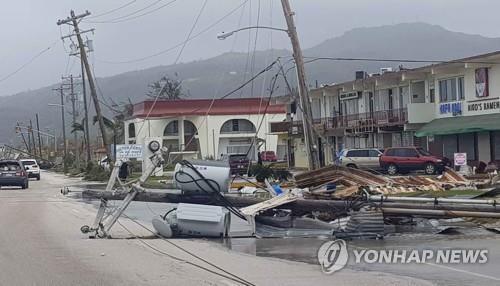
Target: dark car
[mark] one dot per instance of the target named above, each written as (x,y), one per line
(238,163)
(405,159)
(12,173)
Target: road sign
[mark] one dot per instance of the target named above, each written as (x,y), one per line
(460,159)
(128,151)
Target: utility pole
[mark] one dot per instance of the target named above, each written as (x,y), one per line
(18,129)
(86,116)
(32,137)
(61,93)
(305,101)
(73,20)
(74,114)
(39,138)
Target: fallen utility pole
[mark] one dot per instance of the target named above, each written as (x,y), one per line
(305,101)
(18,130)
(303,206)
(73,21)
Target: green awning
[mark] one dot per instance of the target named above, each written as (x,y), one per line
(460,124)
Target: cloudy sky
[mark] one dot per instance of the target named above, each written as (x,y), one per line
(127,38)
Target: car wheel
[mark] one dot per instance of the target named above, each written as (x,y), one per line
(430,169)
(24,186)
(392,169)
(351,166)
(38,177)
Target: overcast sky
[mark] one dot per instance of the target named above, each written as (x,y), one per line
(29,26)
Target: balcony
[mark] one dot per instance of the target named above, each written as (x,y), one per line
(376,119)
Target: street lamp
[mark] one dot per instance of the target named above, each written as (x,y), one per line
(224,35)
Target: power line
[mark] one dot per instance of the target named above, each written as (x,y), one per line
(229,275)
(181,43)
(113,10)
(313,59)
(127,17)
(28,63)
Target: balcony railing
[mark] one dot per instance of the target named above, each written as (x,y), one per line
(376,119)
(351,121)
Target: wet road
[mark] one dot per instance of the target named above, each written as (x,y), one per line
(40,244)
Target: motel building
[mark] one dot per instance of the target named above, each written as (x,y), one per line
(447,108)
(206,128)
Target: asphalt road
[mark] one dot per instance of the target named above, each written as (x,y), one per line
(40,244)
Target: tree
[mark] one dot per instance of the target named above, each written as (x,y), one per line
(166,89)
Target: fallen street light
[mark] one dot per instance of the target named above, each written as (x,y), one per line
(224,35)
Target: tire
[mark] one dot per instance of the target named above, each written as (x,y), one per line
(430,169)
(392,169)
(38,177)
(351,166)
(24,186)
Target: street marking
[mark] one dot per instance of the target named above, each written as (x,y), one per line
(464,271)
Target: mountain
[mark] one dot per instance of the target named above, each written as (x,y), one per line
(219,75)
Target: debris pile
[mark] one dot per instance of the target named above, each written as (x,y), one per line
(322,183)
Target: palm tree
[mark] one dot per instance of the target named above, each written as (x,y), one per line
(79,127)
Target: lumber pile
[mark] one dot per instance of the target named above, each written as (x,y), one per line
(351,180)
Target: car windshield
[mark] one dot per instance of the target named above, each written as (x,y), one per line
(423,152)
(28,163)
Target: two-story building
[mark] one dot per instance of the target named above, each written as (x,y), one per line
(448,107)
(206,128)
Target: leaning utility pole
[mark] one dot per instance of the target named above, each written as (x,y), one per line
(86,115)
(73,20)
(305,101)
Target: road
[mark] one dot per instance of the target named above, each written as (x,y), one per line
(40,244)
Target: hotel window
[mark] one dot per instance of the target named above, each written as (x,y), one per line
(451,89)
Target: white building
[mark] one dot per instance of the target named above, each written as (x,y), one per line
(450,107)
(205,128)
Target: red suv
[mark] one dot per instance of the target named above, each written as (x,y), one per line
(404,159)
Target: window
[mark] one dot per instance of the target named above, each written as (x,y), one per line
(410,153)
(399,152)
(172,129)
(357,153)
(432,95)
(466,144)
(131,130)
(461,91)
(451,89)
(373,153)
(236,125)
(495,141)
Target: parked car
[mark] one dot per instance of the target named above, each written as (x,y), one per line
(360,158)
(238,163)
(31,167)
(268,156)
(405,159)
(12,173)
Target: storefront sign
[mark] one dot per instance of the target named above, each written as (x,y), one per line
(482,89)
(455,108)
(486,105)
(351,95)
(460,159)
(128,151)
